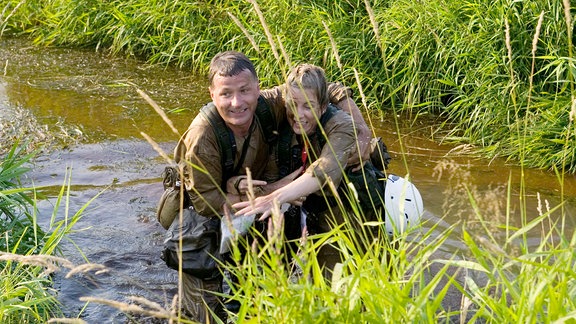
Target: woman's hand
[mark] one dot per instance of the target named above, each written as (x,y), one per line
(261,205)
(294,192)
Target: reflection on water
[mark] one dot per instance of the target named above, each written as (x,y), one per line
(97,94)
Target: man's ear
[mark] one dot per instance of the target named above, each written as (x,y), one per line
(211,92)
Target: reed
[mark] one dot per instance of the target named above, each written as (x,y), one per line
(470,62)
(500,75)
(501,277)
(29,253)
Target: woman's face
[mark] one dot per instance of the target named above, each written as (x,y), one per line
(303,110)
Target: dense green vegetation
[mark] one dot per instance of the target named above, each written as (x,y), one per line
(502,279)
(495,74)
(24,294)
(15,204)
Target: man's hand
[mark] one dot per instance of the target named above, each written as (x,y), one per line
(238,185)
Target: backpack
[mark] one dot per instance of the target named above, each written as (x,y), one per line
(170,202)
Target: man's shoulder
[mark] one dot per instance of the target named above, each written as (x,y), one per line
(200,122)
(200,129)
(199,137)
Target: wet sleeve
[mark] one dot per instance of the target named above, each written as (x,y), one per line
(338,92)
(200,158)
(337,150)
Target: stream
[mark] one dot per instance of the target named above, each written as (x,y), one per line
(91,98)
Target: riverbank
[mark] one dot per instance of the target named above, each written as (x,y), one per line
(488,226)
(495,75)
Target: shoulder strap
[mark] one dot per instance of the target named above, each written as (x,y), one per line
(288,157)
(326,116)
(266,120)
(225,138)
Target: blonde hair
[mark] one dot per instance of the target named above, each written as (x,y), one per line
(309,77)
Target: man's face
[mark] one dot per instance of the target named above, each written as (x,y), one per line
(236,98)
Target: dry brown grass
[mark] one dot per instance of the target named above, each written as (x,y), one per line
(50,263)
(53,264)
(135,306)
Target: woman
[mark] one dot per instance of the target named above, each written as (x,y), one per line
(324,136)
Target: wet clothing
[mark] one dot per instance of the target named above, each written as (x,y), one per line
(196,292)
(327,156)
(199,148)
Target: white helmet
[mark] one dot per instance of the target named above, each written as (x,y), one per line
(403,203)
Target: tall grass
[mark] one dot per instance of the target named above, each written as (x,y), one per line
(28,254)
(479,64)
(388,282)
(501,274)
(16,217)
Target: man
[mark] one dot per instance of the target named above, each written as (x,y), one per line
(235,92)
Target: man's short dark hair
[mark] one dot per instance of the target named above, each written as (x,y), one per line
(230,63)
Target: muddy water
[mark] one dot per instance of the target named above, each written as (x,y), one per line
(96,95)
